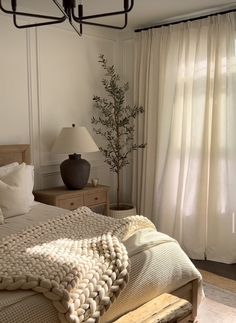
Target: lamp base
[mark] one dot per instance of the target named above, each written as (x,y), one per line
(75,172)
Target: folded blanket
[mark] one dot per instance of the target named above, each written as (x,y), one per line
(76,260)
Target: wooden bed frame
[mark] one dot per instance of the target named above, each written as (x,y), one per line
(189,292)
(14,153)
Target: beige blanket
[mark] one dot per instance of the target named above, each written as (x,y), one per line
(76,260)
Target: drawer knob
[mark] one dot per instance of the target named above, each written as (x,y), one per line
(96,198)
(72,203)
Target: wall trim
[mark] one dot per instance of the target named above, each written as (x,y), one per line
(40,99)
(29,84)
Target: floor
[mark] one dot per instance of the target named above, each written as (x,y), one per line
(218,268)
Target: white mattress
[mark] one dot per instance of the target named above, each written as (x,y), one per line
(158,265)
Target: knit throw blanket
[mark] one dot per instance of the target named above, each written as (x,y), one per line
(76,260)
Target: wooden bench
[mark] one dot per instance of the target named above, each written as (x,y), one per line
(162,309)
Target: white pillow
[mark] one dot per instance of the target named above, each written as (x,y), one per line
(1,217)
(13,193)
(29,177)
(6,169)
(30,183)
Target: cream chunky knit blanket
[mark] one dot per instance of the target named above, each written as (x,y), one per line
(76,260)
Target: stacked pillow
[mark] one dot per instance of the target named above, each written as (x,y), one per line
(16,186)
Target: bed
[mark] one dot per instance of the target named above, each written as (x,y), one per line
(158,265)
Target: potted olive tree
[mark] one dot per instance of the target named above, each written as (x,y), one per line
(114,121)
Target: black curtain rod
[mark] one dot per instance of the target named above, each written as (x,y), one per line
(185,20)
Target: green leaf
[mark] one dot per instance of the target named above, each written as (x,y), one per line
(113,119)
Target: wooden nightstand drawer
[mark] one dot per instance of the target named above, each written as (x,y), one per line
(95,198)
(71,203)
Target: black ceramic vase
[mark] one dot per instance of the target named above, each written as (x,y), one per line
(75,172)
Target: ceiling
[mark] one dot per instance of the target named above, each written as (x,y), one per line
(144,13)
(151,12)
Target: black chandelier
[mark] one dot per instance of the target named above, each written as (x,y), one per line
(68,9)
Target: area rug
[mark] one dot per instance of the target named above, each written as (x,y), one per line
(219,304)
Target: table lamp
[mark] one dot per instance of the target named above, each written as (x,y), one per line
(74,141)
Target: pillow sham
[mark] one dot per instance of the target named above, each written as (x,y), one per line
(30,183)
(29,177)
(1,217)
(13,193)
(6,169)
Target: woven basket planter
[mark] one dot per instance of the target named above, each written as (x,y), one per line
(126,211)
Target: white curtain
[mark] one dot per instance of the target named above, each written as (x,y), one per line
(185,180)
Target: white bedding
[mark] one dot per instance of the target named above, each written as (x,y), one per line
(157,265)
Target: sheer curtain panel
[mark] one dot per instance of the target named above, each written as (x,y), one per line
(185,180)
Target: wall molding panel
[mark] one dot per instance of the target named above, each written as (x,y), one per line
(14,109)
(56,76)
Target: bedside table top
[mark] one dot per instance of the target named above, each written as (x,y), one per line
(63,190)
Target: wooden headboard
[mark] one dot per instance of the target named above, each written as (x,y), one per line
(14,153)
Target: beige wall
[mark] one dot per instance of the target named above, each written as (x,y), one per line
(47,79)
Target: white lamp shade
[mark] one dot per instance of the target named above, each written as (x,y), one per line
(74,140)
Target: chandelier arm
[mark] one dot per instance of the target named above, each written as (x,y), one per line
(27,14)
(107,14)
(60,7)
(68,11)
(106,26)
(37,24)
(80,31)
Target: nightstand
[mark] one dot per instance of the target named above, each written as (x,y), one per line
(90,196)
